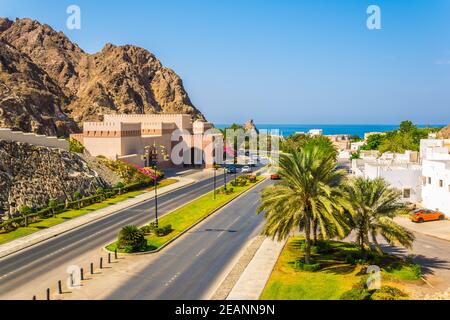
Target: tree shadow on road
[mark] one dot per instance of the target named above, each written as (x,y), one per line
(427,263)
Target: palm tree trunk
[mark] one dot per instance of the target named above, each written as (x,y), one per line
(362,245)
(307,241)
(314,228)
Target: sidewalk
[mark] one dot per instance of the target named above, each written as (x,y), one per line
(42,235)
(254,278)
(438,229)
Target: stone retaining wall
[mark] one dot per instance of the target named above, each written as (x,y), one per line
(33,139)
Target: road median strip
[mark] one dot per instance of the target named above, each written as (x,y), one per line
(182,220)
(39,236)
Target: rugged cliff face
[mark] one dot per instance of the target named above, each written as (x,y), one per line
(444,133)
(49,85)
(31,176)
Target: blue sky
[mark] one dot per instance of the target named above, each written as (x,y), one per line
(281,61)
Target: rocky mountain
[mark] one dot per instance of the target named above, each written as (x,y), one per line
(250,126)
(31,175)
(49,85)
(444,133)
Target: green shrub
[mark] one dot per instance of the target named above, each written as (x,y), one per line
(131,236)
(25,210)
(389,293)
(120,185)
(311,267)
(417,270)
(163,231)
(55,207)
(354,258)
(147,229)
(323,246)
(75,146)
(356,293)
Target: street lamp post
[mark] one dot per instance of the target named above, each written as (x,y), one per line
(215,181)
(225,178)
(153,156)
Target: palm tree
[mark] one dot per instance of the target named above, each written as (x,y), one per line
(374,204)
(309,191)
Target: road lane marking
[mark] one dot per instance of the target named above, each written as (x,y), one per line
(200,253)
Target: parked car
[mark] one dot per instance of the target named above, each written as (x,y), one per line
(231,169)
(246,169)
(275,176)
(422,215)
(251,163)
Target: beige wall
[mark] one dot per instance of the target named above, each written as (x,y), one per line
(103,146)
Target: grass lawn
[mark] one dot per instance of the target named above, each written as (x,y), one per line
(186,216)
(335,276)
(74,213)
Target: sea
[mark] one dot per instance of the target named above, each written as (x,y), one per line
(329,129)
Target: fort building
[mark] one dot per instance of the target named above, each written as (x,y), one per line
(131,137)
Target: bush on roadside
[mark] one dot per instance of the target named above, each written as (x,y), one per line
(388,293)
(311,267)
(146,229)
(25,210)
(163,231)
(77,195)
(356,293)
(131,237)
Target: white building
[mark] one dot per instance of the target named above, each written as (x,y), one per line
(354,146)
(436,185)
(405,177)
(315,132)
(435,149)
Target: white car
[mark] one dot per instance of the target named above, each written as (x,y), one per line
(246,169)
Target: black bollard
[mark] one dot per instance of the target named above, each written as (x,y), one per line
(81,274)
(59,287)
(92,268)
(48,293)
(101,263)
(115,254)
(109,257)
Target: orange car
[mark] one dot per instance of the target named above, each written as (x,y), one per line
(275,176)
(422,215)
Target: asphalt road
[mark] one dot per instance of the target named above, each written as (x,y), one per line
(432,254)
(190,268)
(22,268)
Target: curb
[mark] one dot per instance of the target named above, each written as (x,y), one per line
(85,223)
(189,228)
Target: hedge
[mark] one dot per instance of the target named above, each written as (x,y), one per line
(14,223)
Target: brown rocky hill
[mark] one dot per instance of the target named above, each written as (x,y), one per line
(70,86)
(444,133)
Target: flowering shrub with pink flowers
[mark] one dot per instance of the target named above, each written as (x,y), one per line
(131,173)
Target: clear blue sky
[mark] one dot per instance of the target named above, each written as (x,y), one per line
(281,61)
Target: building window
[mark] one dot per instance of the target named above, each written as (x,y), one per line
(429,180)
(406,193)
(424,181)
(441,183)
